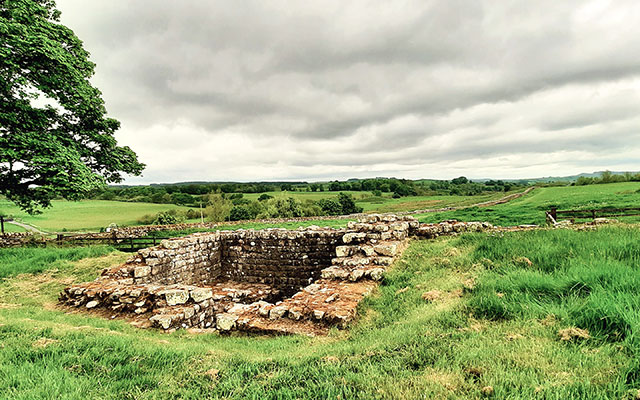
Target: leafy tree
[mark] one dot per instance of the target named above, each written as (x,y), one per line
(218,208)
(348,204)
(167,218)
(330,206)
(460,181)
(239,213)
(65,147)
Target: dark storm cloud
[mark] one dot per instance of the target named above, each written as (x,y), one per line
(416,88)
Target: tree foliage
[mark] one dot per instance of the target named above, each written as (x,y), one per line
(55,136)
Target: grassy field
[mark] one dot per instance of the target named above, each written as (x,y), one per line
(91,215)
(95,214)
(386,203)
(13,228)
(531,208)
(495,329)
(86,214)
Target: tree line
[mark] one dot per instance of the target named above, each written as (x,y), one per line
(196,194)
(221,207)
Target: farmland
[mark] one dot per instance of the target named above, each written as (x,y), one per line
(504,304)
(530,209)
(386,203)
(85,215)
(91,215)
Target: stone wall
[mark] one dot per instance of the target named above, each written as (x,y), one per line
(17,239)
(286,260)
(193,260)
(274,280)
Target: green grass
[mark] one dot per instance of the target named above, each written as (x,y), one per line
(531,208)
(412,203)
(386,203)
(86,214)
(23,260)
(95,214)
(401,348)
(13,228)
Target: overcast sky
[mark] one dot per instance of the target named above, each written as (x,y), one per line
(274,90)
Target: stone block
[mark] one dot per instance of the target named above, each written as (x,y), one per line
(141,271)
(226,322)
(343,251)
(201,294)
(386,249)
(176,296)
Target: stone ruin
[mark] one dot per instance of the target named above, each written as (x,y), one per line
(272,280)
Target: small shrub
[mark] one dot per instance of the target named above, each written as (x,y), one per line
(167,218)
(239,213)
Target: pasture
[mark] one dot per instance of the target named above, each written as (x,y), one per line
(386,203)
(530,209)
(85,215)
(524,315)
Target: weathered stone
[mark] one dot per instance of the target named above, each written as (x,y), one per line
(189,312)
(176,296)
(163,320)
(277,312)
(351,237)
(181,279)
(92,304)
(295,314)
(376,274)
(201,294)
(386,249)
(356,274)
(367,250)
(343,251)
(226,322)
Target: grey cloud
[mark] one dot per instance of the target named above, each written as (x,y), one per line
(471,75)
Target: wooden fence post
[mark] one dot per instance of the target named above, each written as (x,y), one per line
(554,213)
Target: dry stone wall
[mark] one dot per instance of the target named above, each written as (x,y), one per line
(273,280)
(17,239)
(286,260)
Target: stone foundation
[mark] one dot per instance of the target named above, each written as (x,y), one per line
(272,280)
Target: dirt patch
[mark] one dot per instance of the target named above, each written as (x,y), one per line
(44,342)
(432,295)
(448,380)
(572,333)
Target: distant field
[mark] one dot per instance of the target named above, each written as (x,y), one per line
(426,202)
(530,208)
(504,302)
(95,214)
(86,214)
(386,203)
(91,215)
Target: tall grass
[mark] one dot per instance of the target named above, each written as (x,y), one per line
(402,347)
(14,261)
(586,279)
